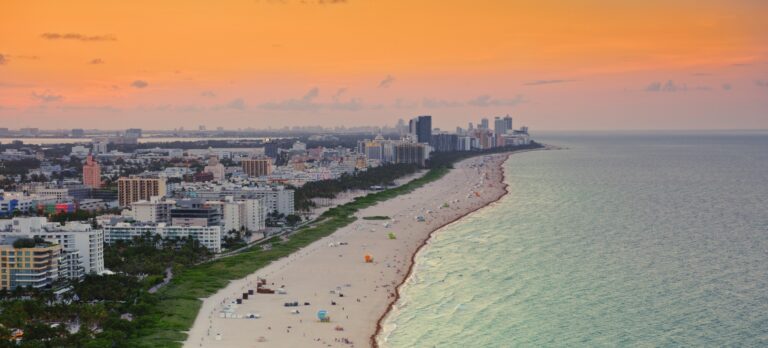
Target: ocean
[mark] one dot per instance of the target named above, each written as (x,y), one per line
(621,239)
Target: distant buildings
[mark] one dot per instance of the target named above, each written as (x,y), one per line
(411,153)
(133,132)
(91,173)
(444,142)
(77,133)
(133,189)
(257,167)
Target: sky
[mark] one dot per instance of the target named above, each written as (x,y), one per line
(551,65)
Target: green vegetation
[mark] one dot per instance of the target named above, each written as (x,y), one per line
(384,176)
(376,217)
(27,242)
(151,255)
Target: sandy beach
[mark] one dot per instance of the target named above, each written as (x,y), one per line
(332,274)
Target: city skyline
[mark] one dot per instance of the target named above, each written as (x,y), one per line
(556,65)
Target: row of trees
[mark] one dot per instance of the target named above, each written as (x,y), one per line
(384,176)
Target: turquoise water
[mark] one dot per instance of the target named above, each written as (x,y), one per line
(620,240)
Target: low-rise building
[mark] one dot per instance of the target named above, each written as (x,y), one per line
(208,236)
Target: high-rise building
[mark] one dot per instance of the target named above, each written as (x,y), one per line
(483,123)
(412,153)
(77,133)
(133,132)
(444,142)
(499,127)
(270,149)
(134,189)
(257,167)
(91,173)
(508,122)
(421,128)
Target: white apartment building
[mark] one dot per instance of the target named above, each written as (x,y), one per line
(155,210)
(82,246)
(208,236)
(238,214)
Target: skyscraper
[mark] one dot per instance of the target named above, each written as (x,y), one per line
(499,127)
(91,173)
(421,128)
(508,122)
(483,123)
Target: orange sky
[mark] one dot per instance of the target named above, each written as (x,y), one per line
(589,64)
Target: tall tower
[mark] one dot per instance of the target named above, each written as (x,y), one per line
(508,122)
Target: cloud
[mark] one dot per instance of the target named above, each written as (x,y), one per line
(546,82)
(308,102)
(487,100)
(101,108)
(727,87)
(353,104)
(440,103)
(338,93)
(387,81)
(671,86)
(139,84)
(208,94)
(77,37)
(237,104)
(303,103)
(2,59)
(47,97)
(96,61)
(401,103)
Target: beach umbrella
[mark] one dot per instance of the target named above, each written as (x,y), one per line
(322,314)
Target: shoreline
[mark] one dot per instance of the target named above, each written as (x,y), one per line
(379,323)
(297,273)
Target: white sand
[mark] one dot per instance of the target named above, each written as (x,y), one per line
(368,289)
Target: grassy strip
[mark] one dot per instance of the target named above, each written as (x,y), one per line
(175,306)
(377,217)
